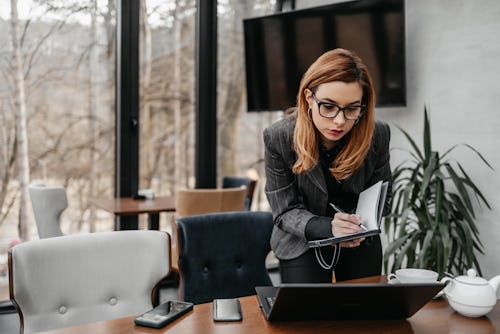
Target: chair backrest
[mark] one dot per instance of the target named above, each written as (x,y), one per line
(238,181)
(48,203)
(81,278)
(222,255)
(191,202)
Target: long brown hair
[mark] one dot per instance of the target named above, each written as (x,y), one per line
(335,65)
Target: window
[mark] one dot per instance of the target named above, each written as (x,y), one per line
(167,59)
(61,96)
(240,148)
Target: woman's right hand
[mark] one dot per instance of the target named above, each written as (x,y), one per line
(347,224)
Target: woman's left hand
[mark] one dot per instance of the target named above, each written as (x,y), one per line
(346,224)
(352,243)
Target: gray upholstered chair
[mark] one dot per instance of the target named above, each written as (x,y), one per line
(222,255)
(76,279)
(48,203)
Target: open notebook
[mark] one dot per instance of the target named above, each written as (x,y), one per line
(370,207)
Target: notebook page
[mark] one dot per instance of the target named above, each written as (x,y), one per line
(368,206)
(381,203)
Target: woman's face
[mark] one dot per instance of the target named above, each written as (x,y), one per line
(347,96)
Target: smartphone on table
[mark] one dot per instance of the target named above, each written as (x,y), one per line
(163,314)
(227,310)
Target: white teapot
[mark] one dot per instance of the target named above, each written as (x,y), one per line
(470,295)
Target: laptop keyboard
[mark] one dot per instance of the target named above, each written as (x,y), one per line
(270,301)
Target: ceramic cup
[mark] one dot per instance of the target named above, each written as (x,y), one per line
(148,193)
(413,275)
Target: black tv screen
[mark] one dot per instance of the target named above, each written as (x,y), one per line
(279,48)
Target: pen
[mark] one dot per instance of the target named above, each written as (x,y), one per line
(342,211)
(337,208)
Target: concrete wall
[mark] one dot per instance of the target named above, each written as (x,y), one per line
(453,67)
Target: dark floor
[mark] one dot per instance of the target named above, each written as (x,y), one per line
(9,320)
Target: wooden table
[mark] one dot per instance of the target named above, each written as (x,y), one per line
(127,206)
(435,317)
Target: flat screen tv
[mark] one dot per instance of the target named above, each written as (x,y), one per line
(279,48)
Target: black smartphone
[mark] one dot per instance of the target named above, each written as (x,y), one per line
(227,310)
(163,314)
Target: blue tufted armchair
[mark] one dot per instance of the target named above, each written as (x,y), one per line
(222,255)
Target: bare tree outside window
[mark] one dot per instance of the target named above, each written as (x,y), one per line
(240,147)
(20,117)
(56,112)
(57,105)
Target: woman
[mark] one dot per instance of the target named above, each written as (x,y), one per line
(327,151)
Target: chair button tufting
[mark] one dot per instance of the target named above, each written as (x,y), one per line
(62,309)
(113,301)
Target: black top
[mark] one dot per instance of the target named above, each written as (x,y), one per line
(320,227)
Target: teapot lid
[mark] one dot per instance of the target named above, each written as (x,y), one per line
(471,278)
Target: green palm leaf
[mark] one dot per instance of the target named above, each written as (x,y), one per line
(432,219)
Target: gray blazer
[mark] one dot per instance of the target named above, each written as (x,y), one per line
(296,198)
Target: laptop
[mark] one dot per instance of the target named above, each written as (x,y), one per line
(344,301)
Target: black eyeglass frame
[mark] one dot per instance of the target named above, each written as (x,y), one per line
(320,103)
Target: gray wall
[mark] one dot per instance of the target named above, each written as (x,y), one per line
(453,67)
(453,53)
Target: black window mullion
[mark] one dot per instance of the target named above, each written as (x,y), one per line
(206,95)
(127,105)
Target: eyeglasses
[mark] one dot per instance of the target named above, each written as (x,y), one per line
(331,110)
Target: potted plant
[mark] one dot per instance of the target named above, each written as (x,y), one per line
(432,220)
